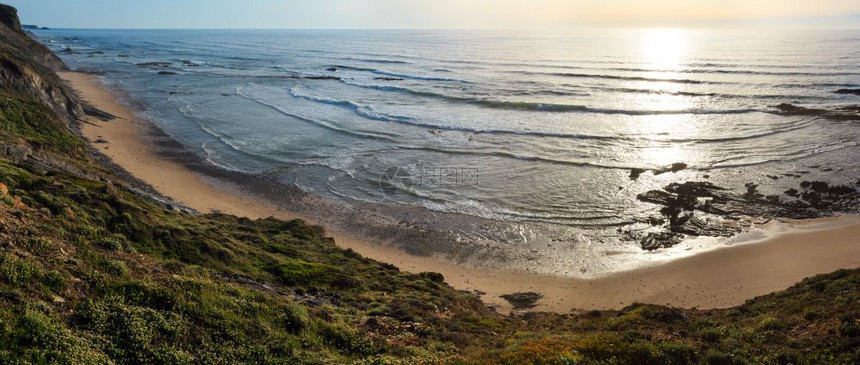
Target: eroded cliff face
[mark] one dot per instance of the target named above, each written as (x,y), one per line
(27,69)
(37,110)
(9,17)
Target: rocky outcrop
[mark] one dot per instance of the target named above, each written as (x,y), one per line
(841,113)
(13,40)
(523,300)
(700,208)
(848,91)
(155,64)
(9,17)
(38,109)
(675,167)
(27,69)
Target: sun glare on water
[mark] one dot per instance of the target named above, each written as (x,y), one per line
(663,52)
(664,48)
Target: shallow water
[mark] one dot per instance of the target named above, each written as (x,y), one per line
(535,133)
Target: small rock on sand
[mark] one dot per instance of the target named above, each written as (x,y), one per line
(523,300)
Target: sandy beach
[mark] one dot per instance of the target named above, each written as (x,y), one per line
(719,278)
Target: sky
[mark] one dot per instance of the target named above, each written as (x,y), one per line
(427,14)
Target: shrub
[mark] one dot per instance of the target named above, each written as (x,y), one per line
(678,353)
(770,324)
(811,314)
(433,276)
(296,318)
(17,271)
(301,273)
(720,358)
(345,340)
(115,267)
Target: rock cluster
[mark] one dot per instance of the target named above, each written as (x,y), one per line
(700,208)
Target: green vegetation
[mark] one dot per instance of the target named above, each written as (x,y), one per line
(91,273)
(23,121)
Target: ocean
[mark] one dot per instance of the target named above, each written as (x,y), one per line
(521,143)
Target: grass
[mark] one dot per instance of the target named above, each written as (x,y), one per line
(23,121)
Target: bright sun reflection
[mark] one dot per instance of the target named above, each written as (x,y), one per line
(664,51)
(664,48)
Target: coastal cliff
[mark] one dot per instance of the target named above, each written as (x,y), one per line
(38,108)
(93,271)
(27,67)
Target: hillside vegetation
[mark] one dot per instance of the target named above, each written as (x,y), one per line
(93,271)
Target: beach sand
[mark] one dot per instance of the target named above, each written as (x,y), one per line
(719,278)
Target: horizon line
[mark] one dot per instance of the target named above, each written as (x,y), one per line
(788,21)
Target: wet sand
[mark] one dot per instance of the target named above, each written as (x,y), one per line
(719,278)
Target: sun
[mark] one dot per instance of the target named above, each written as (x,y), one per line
(664,48)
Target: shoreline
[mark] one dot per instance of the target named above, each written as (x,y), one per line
(721,277)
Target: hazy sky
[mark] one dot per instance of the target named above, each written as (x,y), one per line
(412,13)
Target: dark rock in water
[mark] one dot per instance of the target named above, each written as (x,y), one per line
(523,300)
(679,201)
(388,78)
(657,240)
(95,53)
(811,197)
(635,172)
(752,192)
(819,186)
(68,50)
(122,55)
(155,64)
(841,190)
(682,203)
(795,110)
(839,113)
(658,197)
(332,69)
(321,78)
(678,166)
(698,227)
(697,189)
(166,73)
(848,91)
(655,221)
